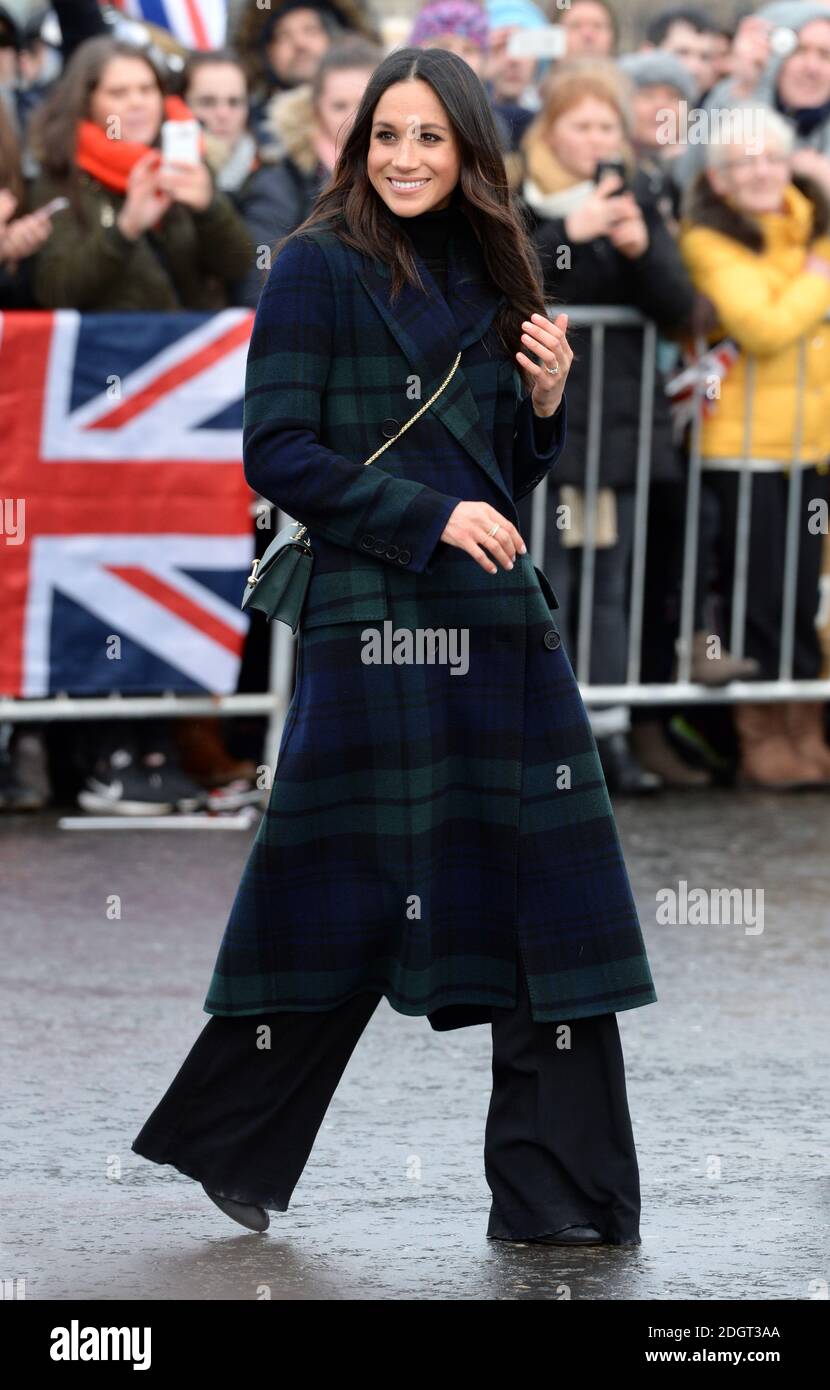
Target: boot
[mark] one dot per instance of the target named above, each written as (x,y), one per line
(246,1213)
(31,787)
(707,670)
(652,748)
(768,757)
(805,722)
(204,755)
(622,771)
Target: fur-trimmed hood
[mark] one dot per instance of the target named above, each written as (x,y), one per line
(289,124)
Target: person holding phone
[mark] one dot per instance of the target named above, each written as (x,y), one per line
(441,840)
(143,231)
(602,240)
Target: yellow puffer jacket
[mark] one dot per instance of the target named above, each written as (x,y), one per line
(766,301)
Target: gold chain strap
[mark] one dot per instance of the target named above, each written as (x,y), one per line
(403,428)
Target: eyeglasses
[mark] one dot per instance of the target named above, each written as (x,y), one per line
(750,161)
(210,103)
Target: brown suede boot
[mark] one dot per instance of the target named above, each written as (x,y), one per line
(653,750)
(805,722)
(204,755)
(768,757)
(719,671)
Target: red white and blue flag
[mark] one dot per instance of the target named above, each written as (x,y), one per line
(197,24)
(126,533)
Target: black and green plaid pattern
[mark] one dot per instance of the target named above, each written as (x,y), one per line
(423,822)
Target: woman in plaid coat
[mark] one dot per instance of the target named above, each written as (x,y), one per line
(439,832)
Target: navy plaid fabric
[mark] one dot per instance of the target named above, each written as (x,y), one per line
(424,819)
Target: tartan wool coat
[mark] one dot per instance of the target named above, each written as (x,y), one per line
(432,815)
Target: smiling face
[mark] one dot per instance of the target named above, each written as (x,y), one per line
(128,91)
(413,161)
(589,131)
(804,79)
(753,180)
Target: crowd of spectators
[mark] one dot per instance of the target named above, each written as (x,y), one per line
(686,178)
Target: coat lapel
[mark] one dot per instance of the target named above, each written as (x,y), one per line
(431,331)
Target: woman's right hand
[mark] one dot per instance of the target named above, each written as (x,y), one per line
(145,202)
(597,214)
(24,237)
(467,529)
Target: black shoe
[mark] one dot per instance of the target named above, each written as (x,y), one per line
(171,783)
(253,1217)
(623,772)
(572,1235)
(119,786)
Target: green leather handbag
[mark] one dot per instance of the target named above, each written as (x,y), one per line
(278,582)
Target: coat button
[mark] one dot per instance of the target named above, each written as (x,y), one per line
(404,557)
(379,547)
(367,542)
(391,552)
(389,428)
(552,639)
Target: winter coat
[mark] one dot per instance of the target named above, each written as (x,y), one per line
(273,201)
(752,270)
(656,285)
(430,820)
(187,262)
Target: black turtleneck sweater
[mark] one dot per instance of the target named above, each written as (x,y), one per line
(429,233)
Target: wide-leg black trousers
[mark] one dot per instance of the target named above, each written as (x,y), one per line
(243,1111)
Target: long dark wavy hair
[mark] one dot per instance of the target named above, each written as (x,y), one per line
(350,206)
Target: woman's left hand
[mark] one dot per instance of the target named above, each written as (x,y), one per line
(548,341)
(190,184)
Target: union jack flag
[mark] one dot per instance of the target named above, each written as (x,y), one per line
(195,23)
(126,532)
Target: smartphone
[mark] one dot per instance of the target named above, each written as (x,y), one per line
(181,142)
(56,205)
(548,41)
(783,42)
(612,166)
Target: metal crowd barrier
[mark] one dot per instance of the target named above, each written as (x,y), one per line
(682,690)
(633,691)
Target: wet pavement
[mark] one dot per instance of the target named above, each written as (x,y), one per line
(727,1085)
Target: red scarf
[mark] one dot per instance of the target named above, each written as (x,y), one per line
(111,161)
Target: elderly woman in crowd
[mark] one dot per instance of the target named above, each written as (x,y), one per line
(755,241)
(604,244)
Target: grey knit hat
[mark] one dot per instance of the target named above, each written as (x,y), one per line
(655,68)
(792,14)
